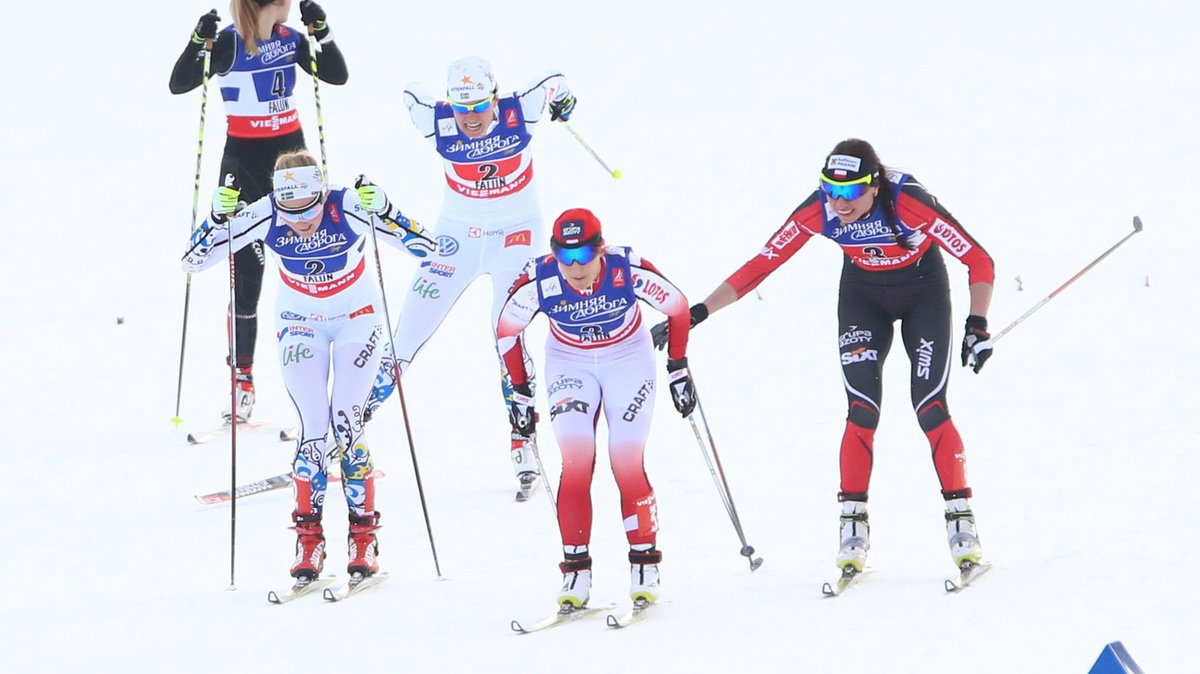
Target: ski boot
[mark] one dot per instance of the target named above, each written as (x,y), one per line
(524,465)
(643,584)
(245,397)
(310,546)
(960,531)
(362,545)
(577,580)
(855,535)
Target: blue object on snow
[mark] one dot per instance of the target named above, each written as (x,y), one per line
(1114,659)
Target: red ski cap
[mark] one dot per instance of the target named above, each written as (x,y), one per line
(575,228)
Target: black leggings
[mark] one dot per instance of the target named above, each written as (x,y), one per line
(866,316)
(252,160)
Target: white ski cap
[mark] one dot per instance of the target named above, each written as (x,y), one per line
(469,79)
(300,182)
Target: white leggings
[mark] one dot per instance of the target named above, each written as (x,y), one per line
(310,352)
(579,382)
(465,252)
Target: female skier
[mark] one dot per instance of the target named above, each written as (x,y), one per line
(598,355)
(892,233)
(490,221)
(255,61)
(329,322)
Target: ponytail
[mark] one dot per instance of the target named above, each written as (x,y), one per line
(245,22)
(889,210)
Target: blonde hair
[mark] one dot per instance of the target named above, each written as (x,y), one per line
(295,159)
(245,22)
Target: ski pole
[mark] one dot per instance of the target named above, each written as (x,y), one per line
(1137,227)
(747,550)
(187,294)
(387,317)
(616,174)
(231,181)
(312,50)
(537,456)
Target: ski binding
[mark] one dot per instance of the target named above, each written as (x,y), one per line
(303,586)
(566,613)
(967,574)
(357,583)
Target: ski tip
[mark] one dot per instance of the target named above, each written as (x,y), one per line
(192,439)
(1137,223)
(272,597)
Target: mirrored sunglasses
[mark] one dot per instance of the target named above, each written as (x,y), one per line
(580,255)
(848,190)
(467,108)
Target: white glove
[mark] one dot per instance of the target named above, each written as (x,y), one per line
(201,241)
(417,241)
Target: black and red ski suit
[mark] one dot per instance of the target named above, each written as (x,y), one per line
(882,283)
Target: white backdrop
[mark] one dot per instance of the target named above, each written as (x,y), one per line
(1044,127)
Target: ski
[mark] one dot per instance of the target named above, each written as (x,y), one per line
(967,574)
(289,434)
(269,484)
(526,489)
(357,583)
(221,430)
(641,608)
(302,587)
(565,614)
(849,576)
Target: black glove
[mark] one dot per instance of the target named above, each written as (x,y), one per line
(311,14)
(683,391)
(977,343)
(661,334)
(206,28)
(520,411)
(562,109)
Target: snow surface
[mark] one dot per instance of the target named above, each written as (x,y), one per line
(1043,126)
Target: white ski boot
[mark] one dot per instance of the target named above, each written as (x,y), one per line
(244,395)
(855,535)
(643,573)
(524,465)
(576,586)
(643,584)
(960,531)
